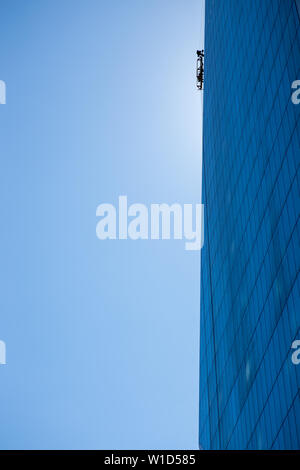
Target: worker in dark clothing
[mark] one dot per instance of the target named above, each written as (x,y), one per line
(200,69)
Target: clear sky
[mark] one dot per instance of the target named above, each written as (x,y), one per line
(102,336)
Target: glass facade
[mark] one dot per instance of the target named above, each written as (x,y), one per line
(250,286)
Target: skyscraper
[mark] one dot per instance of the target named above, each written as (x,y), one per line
(250,286)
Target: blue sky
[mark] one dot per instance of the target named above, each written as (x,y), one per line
(102,336)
